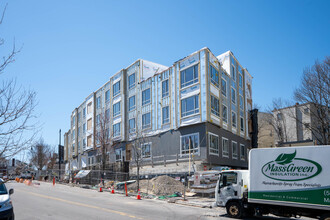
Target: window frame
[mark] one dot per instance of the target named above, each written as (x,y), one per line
(242,127)
(131,130)
(233,95)
(131,108)
(194,150)
(144,100)
(223,141)
(114,133)
(107,96)
(166,120)
(224,121)
(232,121)
(212,151)
(167,92)
(232,150)
(98,102)
(146,126)
(116,113)
(193,111)
(143,147)
(114,89)
(242,157)
(213,111)
(120,157)
(183,83)
(131,86)
(216,74)
(224,88)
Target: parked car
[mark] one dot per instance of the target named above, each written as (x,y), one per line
(6,207)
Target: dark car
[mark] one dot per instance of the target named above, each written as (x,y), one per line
(6,207)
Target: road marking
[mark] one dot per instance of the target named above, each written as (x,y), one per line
(81,204)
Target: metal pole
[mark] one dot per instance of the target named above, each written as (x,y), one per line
(59,156)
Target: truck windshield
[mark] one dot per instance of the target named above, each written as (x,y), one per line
(3,189)
(227,179)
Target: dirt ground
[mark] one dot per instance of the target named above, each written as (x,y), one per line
(161,185)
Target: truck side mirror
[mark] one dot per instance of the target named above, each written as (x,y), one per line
(11,191)
(224,180)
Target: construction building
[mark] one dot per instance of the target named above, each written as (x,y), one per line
(192,115)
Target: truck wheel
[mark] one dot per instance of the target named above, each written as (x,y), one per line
(325,217)
(234,209)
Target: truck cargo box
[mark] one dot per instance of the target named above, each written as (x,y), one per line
(290,176)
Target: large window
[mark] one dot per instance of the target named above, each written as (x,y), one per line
(214,76)
(189,76)
(242,123)
(234,149)
(84,112)
(242,151)
(233,119)
(214,144)
(73,122)
(190,143)
(131,103)
(118,153)
(84,128)
(89,124)
(145,97)
(89,141)
(233,71)
(240,80)
(241,105)
(98,119)
(215,106)
(131,125)
(225,147)
(224,114)
(98,102)
(223,87)
(146,123)
(116,109)
(146,150)
(189,106)
(89,107)
(165,115)
(73,135)
(116,130)
(233,95)
(107,96)
(131,81)
(165,88)
(116,88)
(107,115)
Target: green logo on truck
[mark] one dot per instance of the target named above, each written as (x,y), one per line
(286,167)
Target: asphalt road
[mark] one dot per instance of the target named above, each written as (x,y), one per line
(46,201)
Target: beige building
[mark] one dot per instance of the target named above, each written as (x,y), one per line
(266,133)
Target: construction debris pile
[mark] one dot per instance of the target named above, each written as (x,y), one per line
(161,185)
(205,181)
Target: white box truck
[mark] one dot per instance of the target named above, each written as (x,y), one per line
(287,181)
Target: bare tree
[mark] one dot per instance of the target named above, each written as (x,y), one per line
(103,137)
(17,131)
(315,90)
(53,156)
(279,120)
(40,154)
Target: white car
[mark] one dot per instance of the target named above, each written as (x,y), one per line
(6,207)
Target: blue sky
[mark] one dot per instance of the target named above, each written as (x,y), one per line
(71,48)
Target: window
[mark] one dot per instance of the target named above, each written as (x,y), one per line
(214,144)
(233,70)
(131,81)
(107,96)
(89,141)
(191,140)
(224,114)
(73,134)
(240,82)
(165,115)
(146,120)
(146,151)
(189,76)
(116,88)
(98,119)
(131,125)
(223,87)
(84,128)
(73,122)
(84,112)
(98,102)
(89,107)
(116,130)
(116,109)
(233,95)
(214,76)
(242,123)
(131,103)
(73,148)
(241,105)
(215,106)
(231,179)
(233,119)
(225,147)
(89,124)
(107,115)
(234,149)
(242,151)
(165,92)
(118,155)
(79,116)
(145,97)
(84,143)
(189,106)
(79,131)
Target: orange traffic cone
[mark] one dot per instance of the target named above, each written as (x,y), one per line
(138,195)
(100,189)
(113,190)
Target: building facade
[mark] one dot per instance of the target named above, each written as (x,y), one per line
(201,101)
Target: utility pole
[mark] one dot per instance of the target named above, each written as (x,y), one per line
(59,155)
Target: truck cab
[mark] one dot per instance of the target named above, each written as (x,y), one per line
(231,191)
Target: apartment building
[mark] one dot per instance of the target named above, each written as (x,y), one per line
(201,101)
